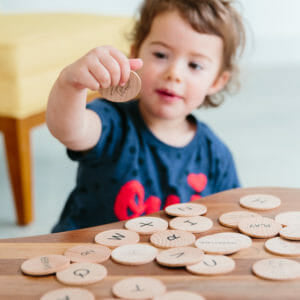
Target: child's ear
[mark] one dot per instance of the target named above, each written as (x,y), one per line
(219,83)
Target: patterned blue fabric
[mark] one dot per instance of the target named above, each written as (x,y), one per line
(131,173)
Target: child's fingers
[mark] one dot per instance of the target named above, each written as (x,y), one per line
(86,80)
(123,63)
(101,74)
(92,83)
(113,67)
(135,63)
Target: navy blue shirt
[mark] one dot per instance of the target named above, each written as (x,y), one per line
(130,172)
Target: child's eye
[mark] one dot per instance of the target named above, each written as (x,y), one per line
(195,66)
(159,55)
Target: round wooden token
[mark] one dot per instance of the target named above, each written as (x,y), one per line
(291,232)
(172,238)
(288,218)
(277,269)
(259,227)
(123,93)
(179,295)
(82,274)
(194,224)
(135,254)
(223,243)
(138,288)
(186,209)
(232,218)
(213,265)
(260,201)
(180,257)
(45,264)
(117,237)
(68,293)
(146,225)
(283,247)
(88,253)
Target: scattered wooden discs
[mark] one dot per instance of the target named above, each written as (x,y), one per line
(123,93)
(212,265)
(223,243)
(194,224)
(283,247)
(136,254)
(146,225)
(68,293)
(88,253)
(179,295)
(117,237)
(259,227)
(291,232)
(45,264)
(186,209)
(138,288)
(260,201)
(277,269)
(180,257)
(172,238)
(82,274)
(288,218)
(232,218)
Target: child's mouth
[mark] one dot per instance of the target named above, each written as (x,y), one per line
(168,94)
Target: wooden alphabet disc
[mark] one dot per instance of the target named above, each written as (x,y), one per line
(123,93)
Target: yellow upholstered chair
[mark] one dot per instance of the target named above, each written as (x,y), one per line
(34,48)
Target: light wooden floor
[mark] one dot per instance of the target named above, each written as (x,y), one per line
(260,124)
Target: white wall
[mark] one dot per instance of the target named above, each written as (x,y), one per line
(275,25)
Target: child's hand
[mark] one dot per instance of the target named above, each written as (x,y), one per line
(102,67)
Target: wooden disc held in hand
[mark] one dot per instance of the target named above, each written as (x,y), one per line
(123,93)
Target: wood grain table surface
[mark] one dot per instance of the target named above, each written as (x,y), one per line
(237,285)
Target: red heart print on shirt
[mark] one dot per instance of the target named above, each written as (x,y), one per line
(197,181)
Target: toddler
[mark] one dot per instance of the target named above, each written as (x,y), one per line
(139,156)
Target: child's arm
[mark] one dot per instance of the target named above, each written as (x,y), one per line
(67,117)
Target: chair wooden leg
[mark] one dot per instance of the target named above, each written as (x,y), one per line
(18,152)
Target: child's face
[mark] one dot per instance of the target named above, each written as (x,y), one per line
(181,66)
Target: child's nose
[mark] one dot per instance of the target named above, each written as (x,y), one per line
(174,73)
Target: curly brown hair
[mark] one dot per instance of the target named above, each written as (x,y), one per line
(217,17)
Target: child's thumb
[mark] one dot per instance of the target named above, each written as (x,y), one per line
(135,63)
